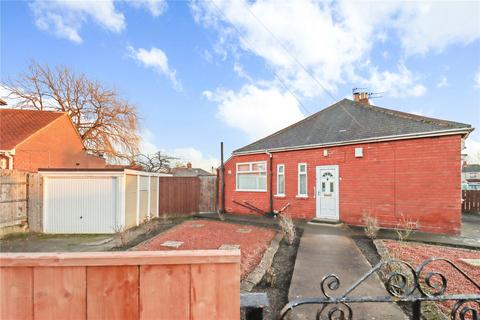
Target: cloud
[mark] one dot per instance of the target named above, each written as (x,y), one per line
(443,82)
(399,83)
(311,45)
(472,149)
(434,25)
(155,7)
(156,59)
(184,154)
(65,18)
(256,111)
(477,79)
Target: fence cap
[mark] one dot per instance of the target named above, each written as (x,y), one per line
(71,259)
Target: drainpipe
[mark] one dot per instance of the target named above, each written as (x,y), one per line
(222,186)
(271,180)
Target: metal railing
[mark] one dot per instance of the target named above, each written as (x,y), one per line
(403,284)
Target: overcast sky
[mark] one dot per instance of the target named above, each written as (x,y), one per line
(234,71)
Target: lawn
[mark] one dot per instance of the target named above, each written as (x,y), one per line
(416,253)
(205,234)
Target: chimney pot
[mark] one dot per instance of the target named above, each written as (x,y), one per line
(361,97)
(189,165)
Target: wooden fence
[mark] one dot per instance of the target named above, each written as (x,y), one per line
(187,195)
(471,201)
(20,199)
(208,194)
(185,284)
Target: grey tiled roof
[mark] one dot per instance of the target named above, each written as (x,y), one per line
(471,168)
(347,121)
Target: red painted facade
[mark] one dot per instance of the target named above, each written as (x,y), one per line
(405,180)
(57,145)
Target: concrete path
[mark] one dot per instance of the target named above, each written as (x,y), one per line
(328,249)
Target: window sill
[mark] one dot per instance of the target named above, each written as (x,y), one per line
(279,195)
(239,190)
(301,197)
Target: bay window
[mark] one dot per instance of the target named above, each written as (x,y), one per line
(252,176)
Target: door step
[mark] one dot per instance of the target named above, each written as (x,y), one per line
(325,221)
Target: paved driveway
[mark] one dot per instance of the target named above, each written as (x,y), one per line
(329,249)
(471,226)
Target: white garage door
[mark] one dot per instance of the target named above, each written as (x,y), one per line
(80,204)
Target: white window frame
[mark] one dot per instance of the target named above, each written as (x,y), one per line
(299,195)
(281,165)
(251,171)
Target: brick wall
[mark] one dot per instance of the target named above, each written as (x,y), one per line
(55,146)
(416,179)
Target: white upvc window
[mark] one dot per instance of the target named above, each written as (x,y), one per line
(302,180)
(252,176)
(280,179)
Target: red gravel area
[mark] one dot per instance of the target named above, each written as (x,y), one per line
(416,253)
(204,234)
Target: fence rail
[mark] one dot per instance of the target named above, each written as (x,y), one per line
(471,201)
(186,284)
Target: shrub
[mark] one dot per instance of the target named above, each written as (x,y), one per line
(148,225)
(122,235)
(405,228)
(371,226)
(288,228)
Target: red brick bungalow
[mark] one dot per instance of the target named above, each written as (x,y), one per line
(32,139)
(354,159)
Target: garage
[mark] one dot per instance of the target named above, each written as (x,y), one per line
(97,201)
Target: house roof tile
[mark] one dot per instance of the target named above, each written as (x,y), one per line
(347,121)
(17,125)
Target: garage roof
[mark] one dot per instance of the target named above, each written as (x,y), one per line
(349,121)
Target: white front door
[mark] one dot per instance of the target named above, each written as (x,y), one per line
(327,193)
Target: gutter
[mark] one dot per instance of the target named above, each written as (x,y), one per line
(271,181)
(464,131)
(9,154)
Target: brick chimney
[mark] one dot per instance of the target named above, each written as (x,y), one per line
(189,165)
(361,97)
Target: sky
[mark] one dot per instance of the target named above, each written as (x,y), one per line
(235,71)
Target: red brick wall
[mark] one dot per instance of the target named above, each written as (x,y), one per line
(55,146)
(416,179)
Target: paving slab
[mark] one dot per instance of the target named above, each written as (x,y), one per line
(329,249)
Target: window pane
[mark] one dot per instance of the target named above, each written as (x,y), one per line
(302,184)
(247,181)
(281,184)
(262,182)
(331,186)
(244,167)
(258,167)
(280,169)
(323,186)
(302,168)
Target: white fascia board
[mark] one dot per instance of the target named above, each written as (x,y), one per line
(81,173)
(464,131)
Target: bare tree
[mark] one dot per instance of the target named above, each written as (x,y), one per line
(107,123)
(157,162)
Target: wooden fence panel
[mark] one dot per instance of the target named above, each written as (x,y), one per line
(208,194)
(179,195)
(471,201)
(20,200)
(201,284)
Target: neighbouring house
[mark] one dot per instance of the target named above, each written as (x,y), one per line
(352,160)
(471,177)
(32,139)
(188,171)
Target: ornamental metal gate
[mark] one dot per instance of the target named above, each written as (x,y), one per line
(403,283)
